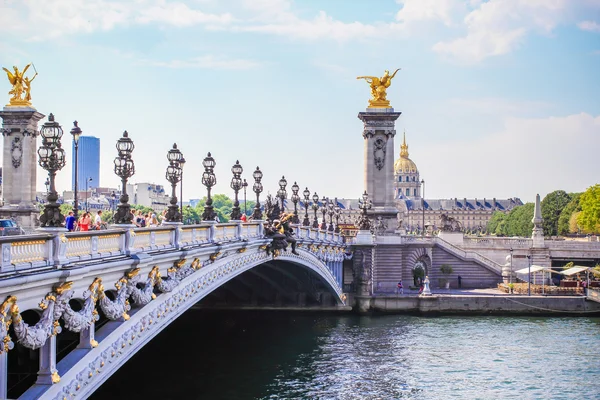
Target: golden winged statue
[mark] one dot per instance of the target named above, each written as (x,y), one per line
(21,85)
(379,89)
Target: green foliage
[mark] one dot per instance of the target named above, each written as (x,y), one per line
(108,216)
(589,218)
(568,265)
(552,206)
(190,216)
(496,224)
(518,221)
(145,210)
(65,208)
(565,216)
(446,269)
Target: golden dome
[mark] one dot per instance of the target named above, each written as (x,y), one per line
(404,165)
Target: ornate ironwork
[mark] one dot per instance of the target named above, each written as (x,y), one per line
(236,185)
(124,169)
(315,207)
(282,193)
(76,133)
(209,180)
(257,187)
(52,159)
(363,222)
(295,199)
(330,212)
(336,212)
(173,176)
(324,202)
(306,193)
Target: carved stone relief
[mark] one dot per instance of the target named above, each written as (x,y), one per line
(16,151)
(379,152)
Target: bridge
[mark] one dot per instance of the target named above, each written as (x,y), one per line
(98,297)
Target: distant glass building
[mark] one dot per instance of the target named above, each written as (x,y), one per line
(88,163)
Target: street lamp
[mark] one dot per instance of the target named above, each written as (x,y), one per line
(315,207)
(282,193)
(306,193)
(124,169)
(511,255)
(295,200)
(330,213)
(324,202)
(236,185)
(423,199)
(364,204)
(87,181)
(245,186)
(209,180)
(529,275)
(257,187)
(76,132)
(52,159)
(336,212)
(181,164)
(173,176)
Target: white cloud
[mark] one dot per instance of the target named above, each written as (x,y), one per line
(205,62)
(498,27)
(591,26)
(42,19)
(498,106)
(423,10)
(534,155)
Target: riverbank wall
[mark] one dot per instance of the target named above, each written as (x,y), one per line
(479,305)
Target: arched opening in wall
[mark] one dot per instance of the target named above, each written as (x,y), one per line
(23,363)
(274,284)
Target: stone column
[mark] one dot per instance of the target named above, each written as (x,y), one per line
(379,131)
(48,375)
(20,131)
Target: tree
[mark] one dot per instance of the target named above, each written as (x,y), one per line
(573,225)
(552,206)
(518,222)
(145,210)
(589,218)
(564,221)
(65,208)
(496,223)
(190,215)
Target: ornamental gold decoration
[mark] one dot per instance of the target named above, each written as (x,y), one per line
(379,89)
(21,86)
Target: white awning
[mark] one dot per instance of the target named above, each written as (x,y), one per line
(575,270)
(534,268)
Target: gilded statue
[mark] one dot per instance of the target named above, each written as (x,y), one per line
(379,89)
(21,86)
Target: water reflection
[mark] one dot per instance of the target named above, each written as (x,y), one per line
(285,356)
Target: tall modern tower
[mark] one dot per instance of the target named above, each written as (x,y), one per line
(89,162)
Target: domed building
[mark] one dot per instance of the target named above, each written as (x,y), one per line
(406,175)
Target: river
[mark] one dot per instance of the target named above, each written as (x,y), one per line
(280,355)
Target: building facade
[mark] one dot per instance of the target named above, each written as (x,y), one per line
(151,195)
(88,163)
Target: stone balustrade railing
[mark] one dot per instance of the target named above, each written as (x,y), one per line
(56,250)
(497,242)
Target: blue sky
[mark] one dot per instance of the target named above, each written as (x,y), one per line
(499,98)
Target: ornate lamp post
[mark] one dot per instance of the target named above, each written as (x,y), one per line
(124,169)
(336,212)
(76,132)
(209,180)
(295,200)
(87,181)
(330,212)
(52,159)
(181,164)
(363,222)
(324,202)
(245,186)
(306,193)
(47,183)
(315,207)
(236,185)
(257,187)
(282,193)
(173,176)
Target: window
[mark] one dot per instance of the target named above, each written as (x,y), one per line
(414,179)
(415,192)
(407,191)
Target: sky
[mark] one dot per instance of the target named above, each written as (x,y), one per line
(499,98)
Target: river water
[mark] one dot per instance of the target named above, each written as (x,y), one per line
(280,355)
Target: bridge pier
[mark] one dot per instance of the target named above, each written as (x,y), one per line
(48,374)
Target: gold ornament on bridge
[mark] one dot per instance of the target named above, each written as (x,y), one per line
(379,89)
(21,86)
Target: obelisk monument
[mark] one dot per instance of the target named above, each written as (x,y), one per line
(19,132)
(379,130)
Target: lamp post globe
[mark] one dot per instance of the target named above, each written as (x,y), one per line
(315,207)
(209,180)
(257,187)
(282,193)
(124,168)
(236,185)
(306,193)
(52,159)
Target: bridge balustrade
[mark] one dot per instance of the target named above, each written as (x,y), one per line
(21,252)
